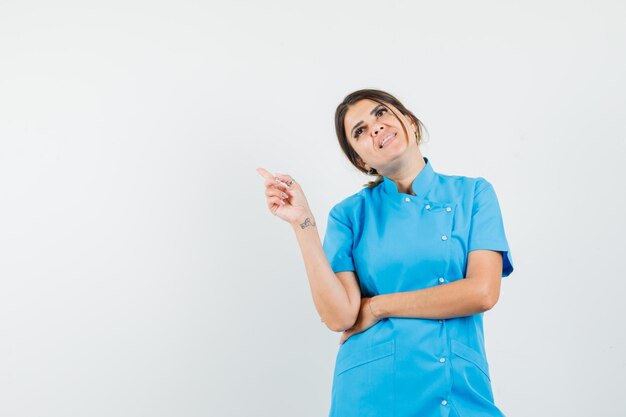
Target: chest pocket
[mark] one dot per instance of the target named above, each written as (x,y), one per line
(434,207)
(434,235)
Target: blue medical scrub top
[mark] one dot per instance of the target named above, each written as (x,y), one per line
(396,242)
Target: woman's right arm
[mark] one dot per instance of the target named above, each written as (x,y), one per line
(337,297)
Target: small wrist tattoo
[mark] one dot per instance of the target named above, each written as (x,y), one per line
(307,223)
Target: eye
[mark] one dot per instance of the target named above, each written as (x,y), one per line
(358,131)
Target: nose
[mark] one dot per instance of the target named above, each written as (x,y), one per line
(377,130)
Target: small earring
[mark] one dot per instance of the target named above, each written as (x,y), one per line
(370,171)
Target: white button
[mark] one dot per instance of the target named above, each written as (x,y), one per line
(441,279)
(444,402)
(407,199)
(440,321)
(427,206)
(444,237)
(442,360)
(448,209)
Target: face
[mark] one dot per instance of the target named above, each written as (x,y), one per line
(367,123)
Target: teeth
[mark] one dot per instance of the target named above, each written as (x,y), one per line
(385,140)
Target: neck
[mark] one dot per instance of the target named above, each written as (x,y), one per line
(405,174)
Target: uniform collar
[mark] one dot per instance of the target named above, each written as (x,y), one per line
(420,183)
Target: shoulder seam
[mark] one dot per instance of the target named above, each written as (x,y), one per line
(478,181)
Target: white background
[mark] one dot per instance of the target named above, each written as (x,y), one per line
(141,272)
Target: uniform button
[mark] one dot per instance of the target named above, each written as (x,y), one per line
(427,206)
(440,321)
(407,199)
(441,279)
(444,402)
(442,360)
(444,237)
(448,209)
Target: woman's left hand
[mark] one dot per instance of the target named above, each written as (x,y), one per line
(364,321)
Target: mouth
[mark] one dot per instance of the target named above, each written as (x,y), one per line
(384,141)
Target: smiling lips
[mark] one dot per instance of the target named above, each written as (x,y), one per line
(388,138)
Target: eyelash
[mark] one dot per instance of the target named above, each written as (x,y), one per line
(357,134)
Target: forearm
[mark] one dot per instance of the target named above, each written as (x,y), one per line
(455,299)
(329,295)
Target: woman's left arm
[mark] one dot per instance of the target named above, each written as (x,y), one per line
(478,292)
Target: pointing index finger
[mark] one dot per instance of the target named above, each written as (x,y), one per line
(265,173)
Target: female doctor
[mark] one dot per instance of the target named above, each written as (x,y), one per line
(407,268)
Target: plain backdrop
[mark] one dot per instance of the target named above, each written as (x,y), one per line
(141,271)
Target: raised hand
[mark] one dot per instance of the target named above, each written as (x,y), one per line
(285,197)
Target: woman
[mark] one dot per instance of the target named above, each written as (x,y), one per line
(407,267)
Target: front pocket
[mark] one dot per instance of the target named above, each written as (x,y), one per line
(367,355)
(471,355)
(364,382)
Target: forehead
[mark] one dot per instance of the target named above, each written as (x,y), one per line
(359,111)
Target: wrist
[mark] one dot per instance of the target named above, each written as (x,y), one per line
(304,221)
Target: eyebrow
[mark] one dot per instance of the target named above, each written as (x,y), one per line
(361,122)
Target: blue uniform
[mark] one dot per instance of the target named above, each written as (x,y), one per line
(414,367)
